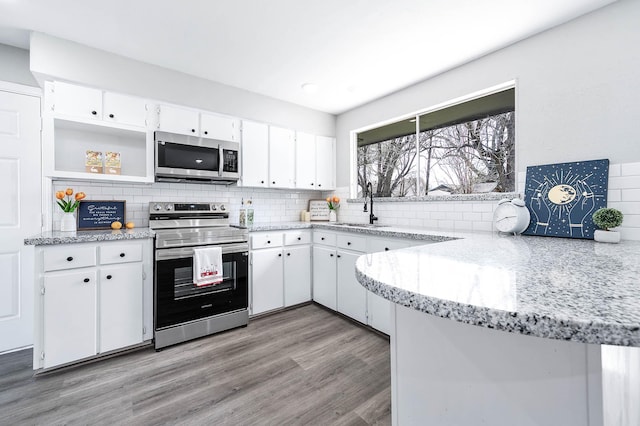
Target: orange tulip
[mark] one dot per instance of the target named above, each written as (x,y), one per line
(80,195)
(59,195)
(69,191)
(336,199)
(328,199)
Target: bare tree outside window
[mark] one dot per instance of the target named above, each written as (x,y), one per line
(472,156)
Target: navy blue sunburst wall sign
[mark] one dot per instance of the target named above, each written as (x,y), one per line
(562,197)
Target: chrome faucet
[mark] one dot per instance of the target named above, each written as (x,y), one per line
(372,217)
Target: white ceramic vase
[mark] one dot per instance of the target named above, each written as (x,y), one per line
(333,217)
(606,236)
(68,222)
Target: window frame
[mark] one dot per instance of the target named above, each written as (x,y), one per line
(353,134)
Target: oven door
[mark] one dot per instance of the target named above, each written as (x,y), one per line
(179,300)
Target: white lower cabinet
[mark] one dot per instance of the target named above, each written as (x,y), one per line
(334,282)
(268,280)
(351,295)
(120,299)
(91,304)
(280,273)
(324,276)
(69,316)
(297,274)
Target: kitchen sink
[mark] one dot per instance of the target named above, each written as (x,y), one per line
(359,225)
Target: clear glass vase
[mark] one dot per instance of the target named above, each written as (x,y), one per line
(68,222)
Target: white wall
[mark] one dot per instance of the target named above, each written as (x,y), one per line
(15,66)
(65,60)
(577,91)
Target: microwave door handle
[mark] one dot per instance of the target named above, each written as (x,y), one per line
(220,160)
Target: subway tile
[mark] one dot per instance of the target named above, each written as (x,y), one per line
(626,207)
(630,169)
(630,195)
(614,170)
(614,195)
(470,216)
(624,182)
(463,225)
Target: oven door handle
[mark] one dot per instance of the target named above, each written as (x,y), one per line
(184,252)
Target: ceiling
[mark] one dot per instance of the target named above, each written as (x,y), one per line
(354,51)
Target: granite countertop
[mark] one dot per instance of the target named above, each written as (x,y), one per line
(377,230)
(57,237)
(566,289)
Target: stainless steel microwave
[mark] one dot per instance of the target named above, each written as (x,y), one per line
(182,158)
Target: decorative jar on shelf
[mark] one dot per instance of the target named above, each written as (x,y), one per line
(333,217)
(68,222)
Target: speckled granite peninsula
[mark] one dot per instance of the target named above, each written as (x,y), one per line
(513,330)
(565,289)
(57,237)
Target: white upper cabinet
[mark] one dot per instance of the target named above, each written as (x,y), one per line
(325,163)
(125,109)
(179,120)
(77,101)
(84,104)
(305,161)
(255,154)
(187,121)
(281,157)
(315,160)
(219,127)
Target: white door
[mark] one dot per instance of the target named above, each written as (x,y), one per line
(120,302)
(267,280)
(282,157)
(297,275)
(219,127)
(69,322)
(77,101)
(324,276)
(305,161)
(255,154)
(325,160)
(125,109)
(179,120)
(20,217)
(351,295)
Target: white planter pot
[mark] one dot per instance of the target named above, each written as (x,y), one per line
(332,216)
(606,236)
(68,222)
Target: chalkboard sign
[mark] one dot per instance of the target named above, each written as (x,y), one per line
(97,214)
(319,210)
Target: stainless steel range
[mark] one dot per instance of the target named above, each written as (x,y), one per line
(184,310)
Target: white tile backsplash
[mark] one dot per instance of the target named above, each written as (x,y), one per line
(273,205)
(270,205)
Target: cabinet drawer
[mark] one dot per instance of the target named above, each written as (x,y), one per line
(326,238)
(297,237)
(120,253)
(69,257)
(259,241)
(352,242)
(380,244)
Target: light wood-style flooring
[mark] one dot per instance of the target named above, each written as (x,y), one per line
(305,366)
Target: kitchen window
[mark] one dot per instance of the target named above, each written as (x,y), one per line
(463,148)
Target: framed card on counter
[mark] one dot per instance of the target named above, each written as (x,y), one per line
(100,214)
(319,210)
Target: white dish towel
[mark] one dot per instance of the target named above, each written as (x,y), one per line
(207,266)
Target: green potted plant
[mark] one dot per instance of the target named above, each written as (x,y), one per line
(605,219)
